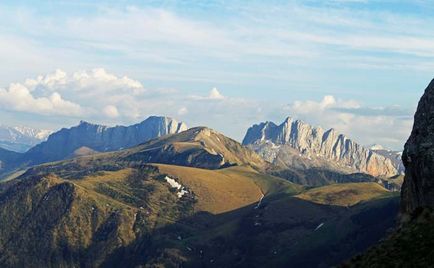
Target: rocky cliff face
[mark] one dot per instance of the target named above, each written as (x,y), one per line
(418,157)
(394,156)
(318,145)
(92,137)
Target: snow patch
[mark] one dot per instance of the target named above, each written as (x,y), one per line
(319,226)
(260,202)
(176,185)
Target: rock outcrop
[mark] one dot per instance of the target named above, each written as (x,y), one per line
(64,143)
(316,145)
(418,157)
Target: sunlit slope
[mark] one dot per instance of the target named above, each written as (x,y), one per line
(345,194)
(227,189)
(197,147)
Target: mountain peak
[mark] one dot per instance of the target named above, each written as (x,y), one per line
(313,142)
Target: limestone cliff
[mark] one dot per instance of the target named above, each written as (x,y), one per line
(316,145)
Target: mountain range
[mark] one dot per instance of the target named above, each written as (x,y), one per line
(193,199)
(87,138)
(20,139)
(294,147)
(160,194)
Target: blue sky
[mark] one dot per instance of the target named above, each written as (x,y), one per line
(358,66)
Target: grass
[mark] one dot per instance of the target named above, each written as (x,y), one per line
(219,191)
(345,194)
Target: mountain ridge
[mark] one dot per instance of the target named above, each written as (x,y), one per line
(315,143)
(100,138)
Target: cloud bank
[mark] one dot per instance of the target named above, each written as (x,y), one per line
(103,97)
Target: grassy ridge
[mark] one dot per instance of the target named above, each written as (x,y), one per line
(223,190)
(346,194)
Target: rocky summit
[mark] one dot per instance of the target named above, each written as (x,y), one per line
(317,145)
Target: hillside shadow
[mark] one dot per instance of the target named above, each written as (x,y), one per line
(283,232)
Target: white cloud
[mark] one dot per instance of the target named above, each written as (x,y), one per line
(100,96)
(214,94)
(82,93)
(183,111)
(111,111)
(17,97)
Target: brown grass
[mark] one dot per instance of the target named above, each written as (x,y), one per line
(346,194)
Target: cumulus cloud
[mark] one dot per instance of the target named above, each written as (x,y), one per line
(214,94)
(92,93)
(102,97)
(17,97)
(111,111)
(182,111)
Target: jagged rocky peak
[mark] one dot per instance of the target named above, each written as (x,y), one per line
(418,157)
(315,142)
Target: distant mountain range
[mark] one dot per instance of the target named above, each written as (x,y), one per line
(296,146)
(295,150)
(20,139)
(87,138)
(394,156)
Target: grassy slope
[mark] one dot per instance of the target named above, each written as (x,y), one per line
(94,213)
(126,214)
(86,219)
(283,233)
(223,190)
(345,194)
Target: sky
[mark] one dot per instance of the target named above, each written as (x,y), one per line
(359,66)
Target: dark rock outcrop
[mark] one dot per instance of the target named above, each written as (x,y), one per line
(418,157)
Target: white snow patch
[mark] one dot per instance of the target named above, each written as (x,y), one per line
(260,202)
(319,226)
(176,185)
